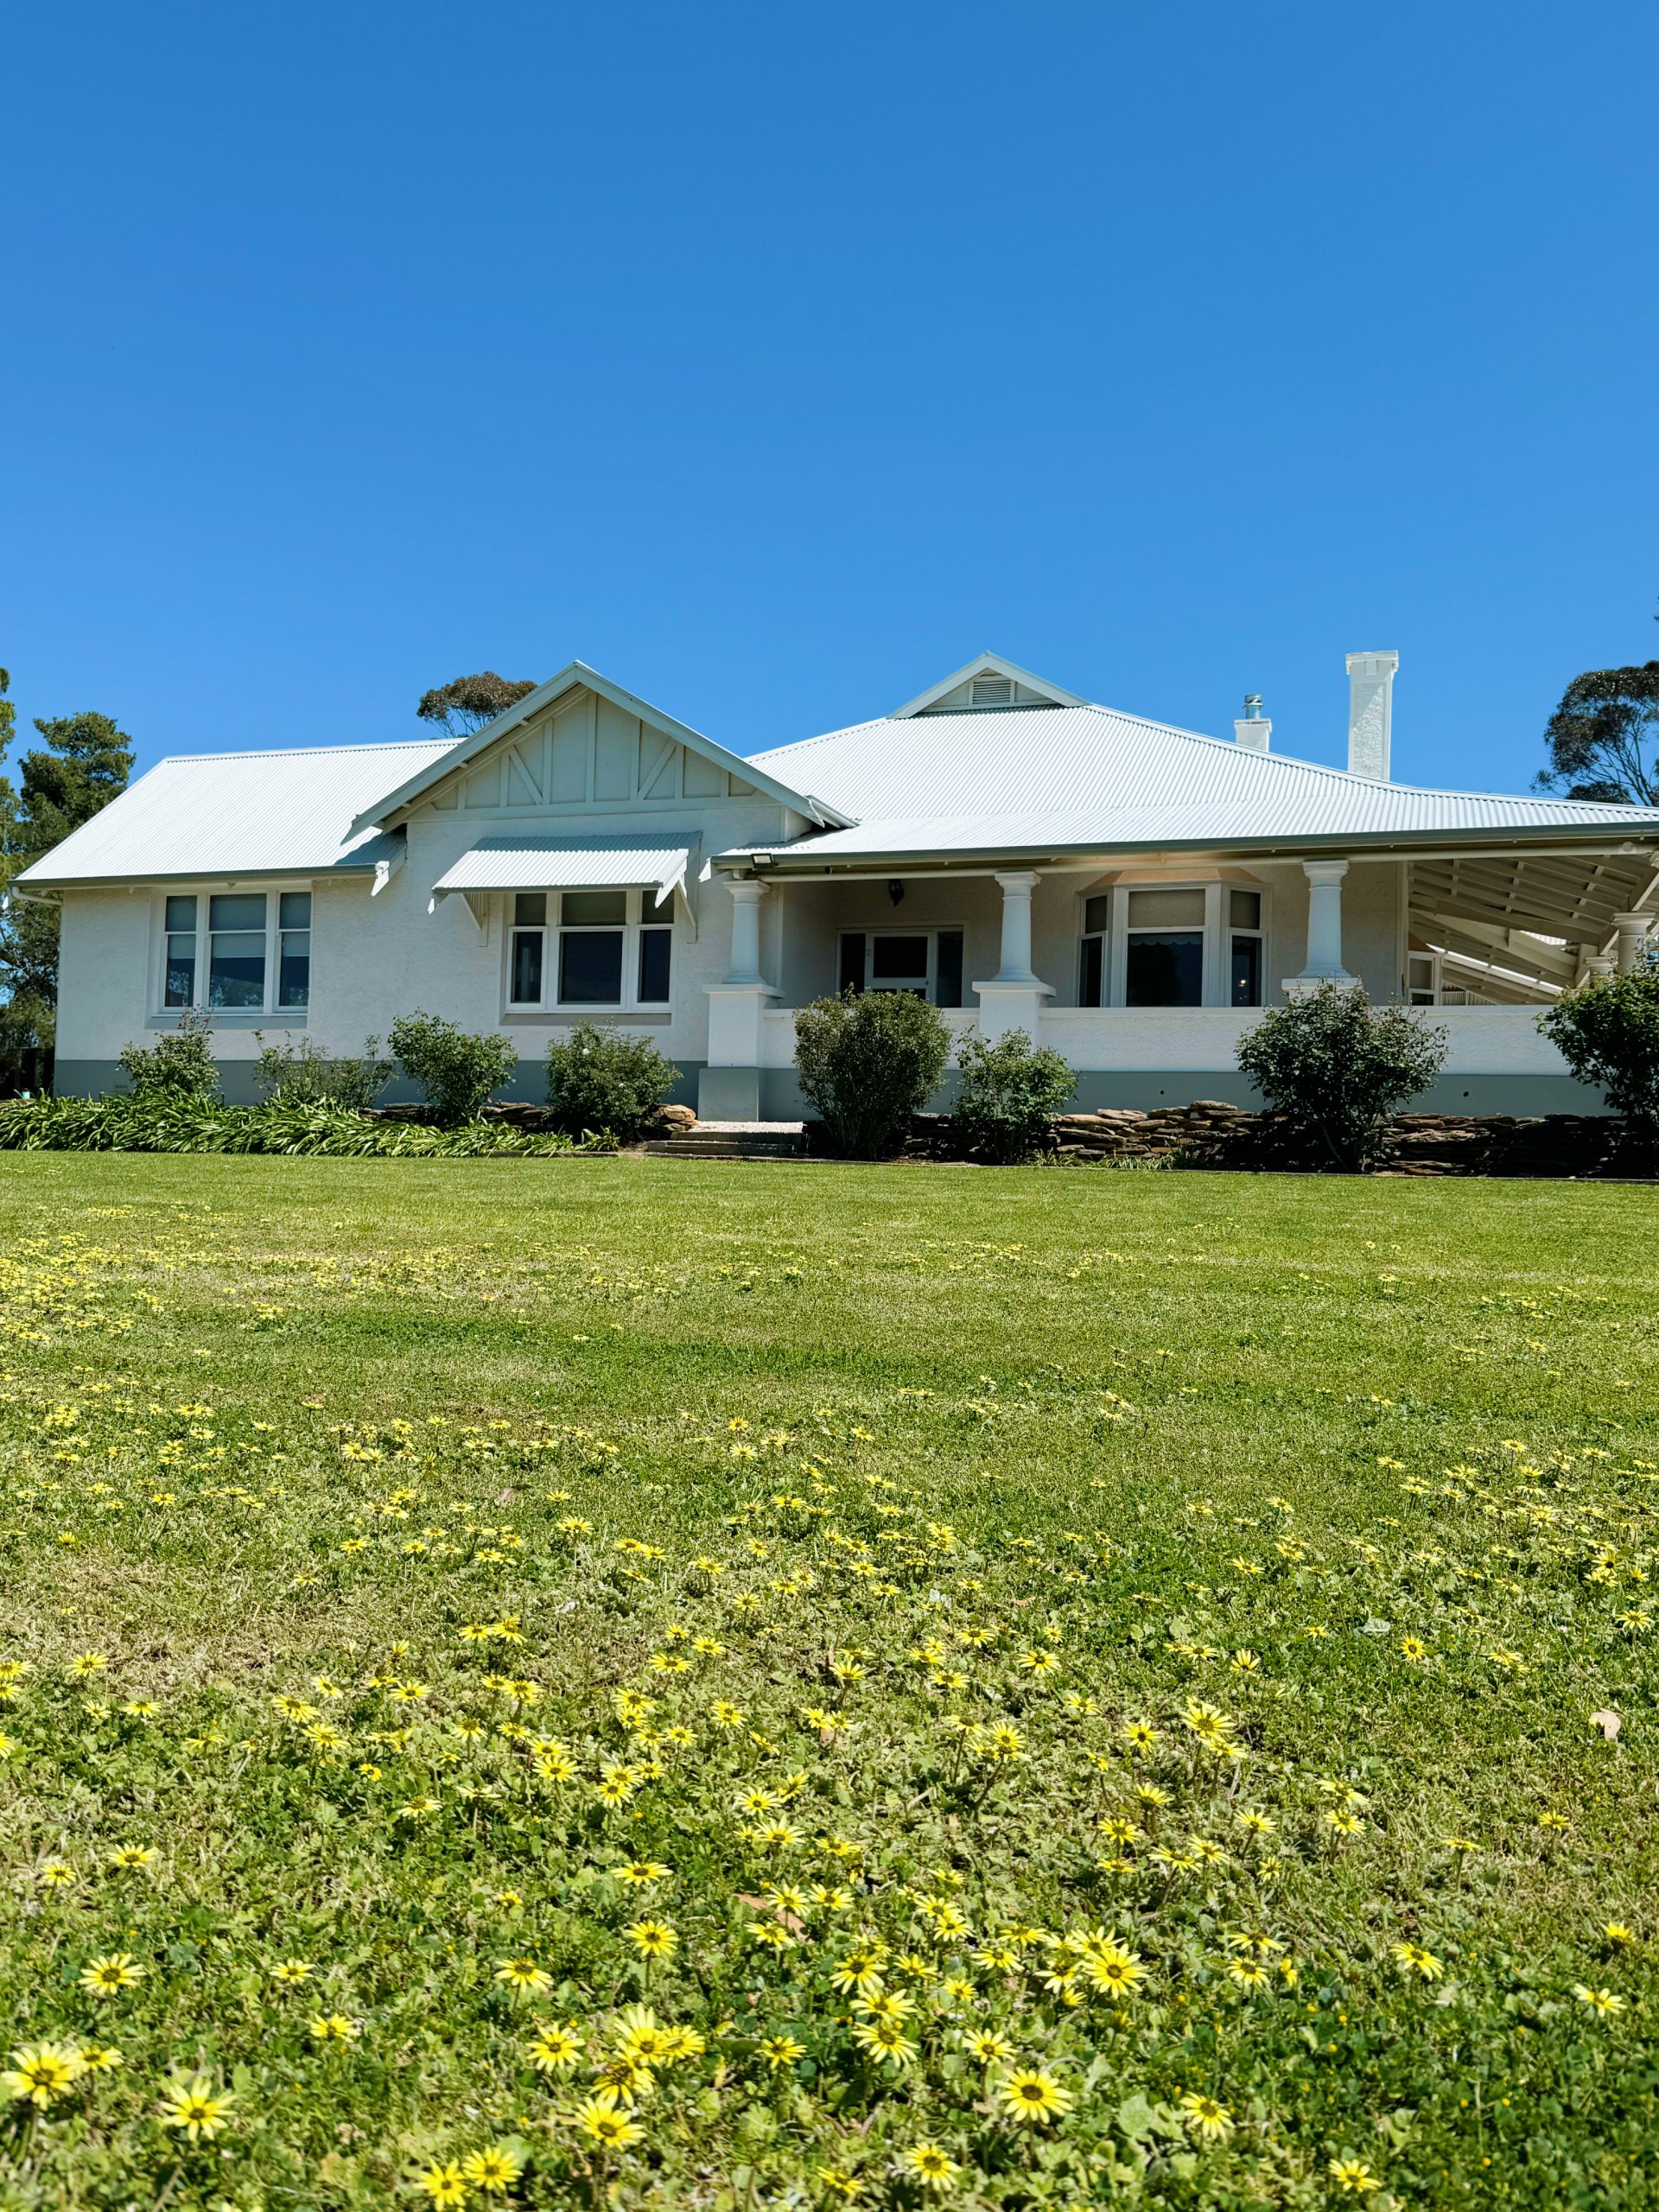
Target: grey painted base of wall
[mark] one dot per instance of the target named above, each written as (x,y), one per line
(92,1078)
(1099,1088)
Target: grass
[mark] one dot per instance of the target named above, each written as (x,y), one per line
(1093,1672)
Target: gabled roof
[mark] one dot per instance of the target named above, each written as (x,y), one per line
(989,665)
(229,815)
(1087,778)
(579,676)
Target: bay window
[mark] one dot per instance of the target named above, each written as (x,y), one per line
(236,952)
(1176,944)
(577,950)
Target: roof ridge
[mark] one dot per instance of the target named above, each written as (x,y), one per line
(299,752)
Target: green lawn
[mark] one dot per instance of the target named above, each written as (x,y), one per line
(1092,1671)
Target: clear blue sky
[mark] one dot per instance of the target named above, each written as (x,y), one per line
(774,359)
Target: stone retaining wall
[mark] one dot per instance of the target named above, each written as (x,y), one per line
(1212,1134)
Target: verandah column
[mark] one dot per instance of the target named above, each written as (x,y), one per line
(728,1089)
(1013,998)
(1324,963)
(1632,939)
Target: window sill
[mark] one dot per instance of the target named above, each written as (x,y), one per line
(602,1017)
(287,1017)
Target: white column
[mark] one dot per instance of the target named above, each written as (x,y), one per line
(1324,924)
(1632,939)
(746,894)
(1013,998)
(736,1005)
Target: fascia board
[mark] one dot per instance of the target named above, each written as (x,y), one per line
(578,674)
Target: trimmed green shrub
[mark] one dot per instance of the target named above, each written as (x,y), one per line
(312,1128)
(294,1073)
(866,1064)
(1010,1092)
(179,1064)
(1607,1031)
(1334,1067)
(456,1068)
(602,1079)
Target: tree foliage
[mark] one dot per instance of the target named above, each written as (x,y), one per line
(1604,737)
(1010,1092)
(866,1064)
(456,1068)
(602,1080)
(1607,1031)
(84,763)
(468,702)
(179,1064)
(1336,1067)
(306,1072)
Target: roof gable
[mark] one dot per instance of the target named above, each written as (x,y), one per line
(987,683)
(579,677)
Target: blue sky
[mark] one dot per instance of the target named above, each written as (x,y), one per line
(774,360)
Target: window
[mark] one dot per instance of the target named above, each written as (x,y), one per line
(236,952)
(1247,955)
(1423,978)
(926,962)
(294,955)
(1164,955)
(1096,923)
(179,962)
(578,948)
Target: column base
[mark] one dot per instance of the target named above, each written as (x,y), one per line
(1012,1005)
(728,1095)
(1301,987)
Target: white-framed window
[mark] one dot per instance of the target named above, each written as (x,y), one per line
(927,962)
(237,951)
(574,951)
(1174,945)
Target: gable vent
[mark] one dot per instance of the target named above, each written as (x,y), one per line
(991,692)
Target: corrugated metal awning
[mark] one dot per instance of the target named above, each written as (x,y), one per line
(570,864)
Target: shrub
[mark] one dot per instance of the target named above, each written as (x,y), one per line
(868,1064)
(1010,1091)
(315,1127)
(1336,1067)
(456,1069)
(306,1071)
(601,1079)
(179,1064)
(1607,1031)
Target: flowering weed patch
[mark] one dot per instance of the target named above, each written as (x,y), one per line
(767,1709)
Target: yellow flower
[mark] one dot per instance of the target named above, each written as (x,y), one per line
(553,2048)
(780,2050)
(1352,2176)
(926,2163)
(1413,1959)
(493,2171)
(445,2184)
(192,2105)
(333,2027)
(603,2120)
(652,1939)
(99,2058)
(1207,2119)
(291,1970)
(133,1855)
(108,1976)
(1030,2098)
(523,1976)
(41,2072)
(1601,2002)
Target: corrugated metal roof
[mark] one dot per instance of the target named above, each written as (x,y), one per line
(237,814)
(1086,777)
(569,864)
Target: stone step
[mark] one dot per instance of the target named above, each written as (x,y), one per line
(732,1147)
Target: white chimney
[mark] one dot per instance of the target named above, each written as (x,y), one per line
(1253,729)
(1370,713)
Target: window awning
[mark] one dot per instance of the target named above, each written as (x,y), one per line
(571,864)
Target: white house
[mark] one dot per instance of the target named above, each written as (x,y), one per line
(1127,892)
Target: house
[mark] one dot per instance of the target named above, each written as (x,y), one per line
(1132,894)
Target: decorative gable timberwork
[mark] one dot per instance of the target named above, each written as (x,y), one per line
(585,751)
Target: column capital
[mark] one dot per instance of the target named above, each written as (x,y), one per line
(1635,921)
(747,890)
(1325,871)
(1016,879)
